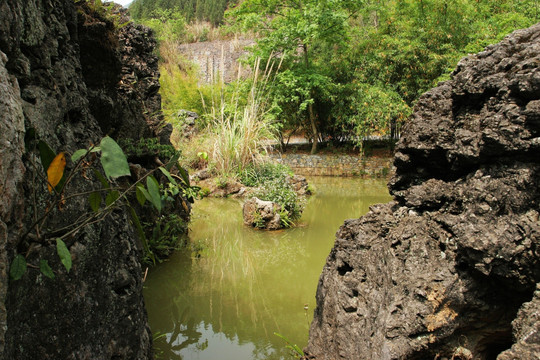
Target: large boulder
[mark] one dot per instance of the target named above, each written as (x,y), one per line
(69,76)
(449,268)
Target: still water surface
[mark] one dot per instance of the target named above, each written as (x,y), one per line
(226,302)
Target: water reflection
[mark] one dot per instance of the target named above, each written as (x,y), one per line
(248,284)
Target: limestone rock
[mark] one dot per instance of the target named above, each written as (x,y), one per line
(12,173)
(442,271)
(69,77)
(526,332)
(262,214)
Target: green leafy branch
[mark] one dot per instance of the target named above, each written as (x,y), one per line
(101,201)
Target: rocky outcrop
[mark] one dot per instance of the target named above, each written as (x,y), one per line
(68,76)
(449,268)
(262,214)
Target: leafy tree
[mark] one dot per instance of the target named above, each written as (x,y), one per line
(206,10)
(296,32)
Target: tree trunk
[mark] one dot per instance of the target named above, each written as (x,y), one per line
(313,129)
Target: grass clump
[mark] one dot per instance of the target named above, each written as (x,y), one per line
(258,174)
(166,234)
(241,126)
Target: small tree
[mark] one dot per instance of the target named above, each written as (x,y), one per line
(297,32)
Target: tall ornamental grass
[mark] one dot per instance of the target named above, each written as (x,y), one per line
(241,126)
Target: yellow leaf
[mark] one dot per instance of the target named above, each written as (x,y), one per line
(56,170)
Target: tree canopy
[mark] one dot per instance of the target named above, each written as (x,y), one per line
(202,10)
(355,68)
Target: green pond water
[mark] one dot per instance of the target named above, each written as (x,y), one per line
(226,300)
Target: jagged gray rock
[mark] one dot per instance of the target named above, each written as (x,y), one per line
(442,271)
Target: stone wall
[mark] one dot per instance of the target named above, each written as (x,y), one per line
(335,165)
(215,59)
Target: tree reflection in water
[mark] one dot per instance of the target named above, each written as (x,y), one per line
(248,284)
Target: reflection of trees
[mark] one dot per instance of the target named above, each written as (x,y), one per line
(249,284)
(185,327)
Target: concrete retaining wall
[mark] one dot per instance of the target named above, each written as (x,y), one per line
(336,165)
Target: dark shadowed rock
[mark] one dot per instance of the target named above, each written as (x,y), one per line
(70,77)
(449,268)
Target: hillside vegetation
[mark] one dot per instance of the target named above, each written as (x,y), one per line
(342,70)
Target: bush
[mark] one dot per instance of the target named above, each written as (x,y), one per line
(257,174)
(146,148)
(282,193)
(166,234)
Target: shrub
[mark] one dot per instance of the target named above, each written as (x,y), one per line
(166,234)
(257,174)
(282,193)
(146,148)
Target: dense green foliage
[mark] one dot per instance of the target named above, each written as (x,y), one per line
(273,183)
(296,32)
(202,10)
(348,69)
(282,193)
(353,69)
(166,234)
(257,174)
(146,148)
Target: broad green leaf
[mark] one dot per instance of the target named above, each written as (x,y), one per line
(153,190)
(102,179)
(46,154)
(46,269)
(55,172)
(142,236)
(168,175)
(113,159)
(95,200)
(145,193)
(173,161)
(78,154)
(64,254)
(139,192)
(18,267)
(184,174)
(112,196)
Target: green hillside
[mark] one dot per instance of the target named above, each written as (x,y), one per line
(202,10)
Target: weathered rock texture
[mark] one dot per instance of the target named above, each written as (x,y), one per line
(67,72)
(449,268)
(262,214)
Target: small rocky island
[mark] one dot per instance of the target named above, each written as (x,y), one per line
(450,268)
